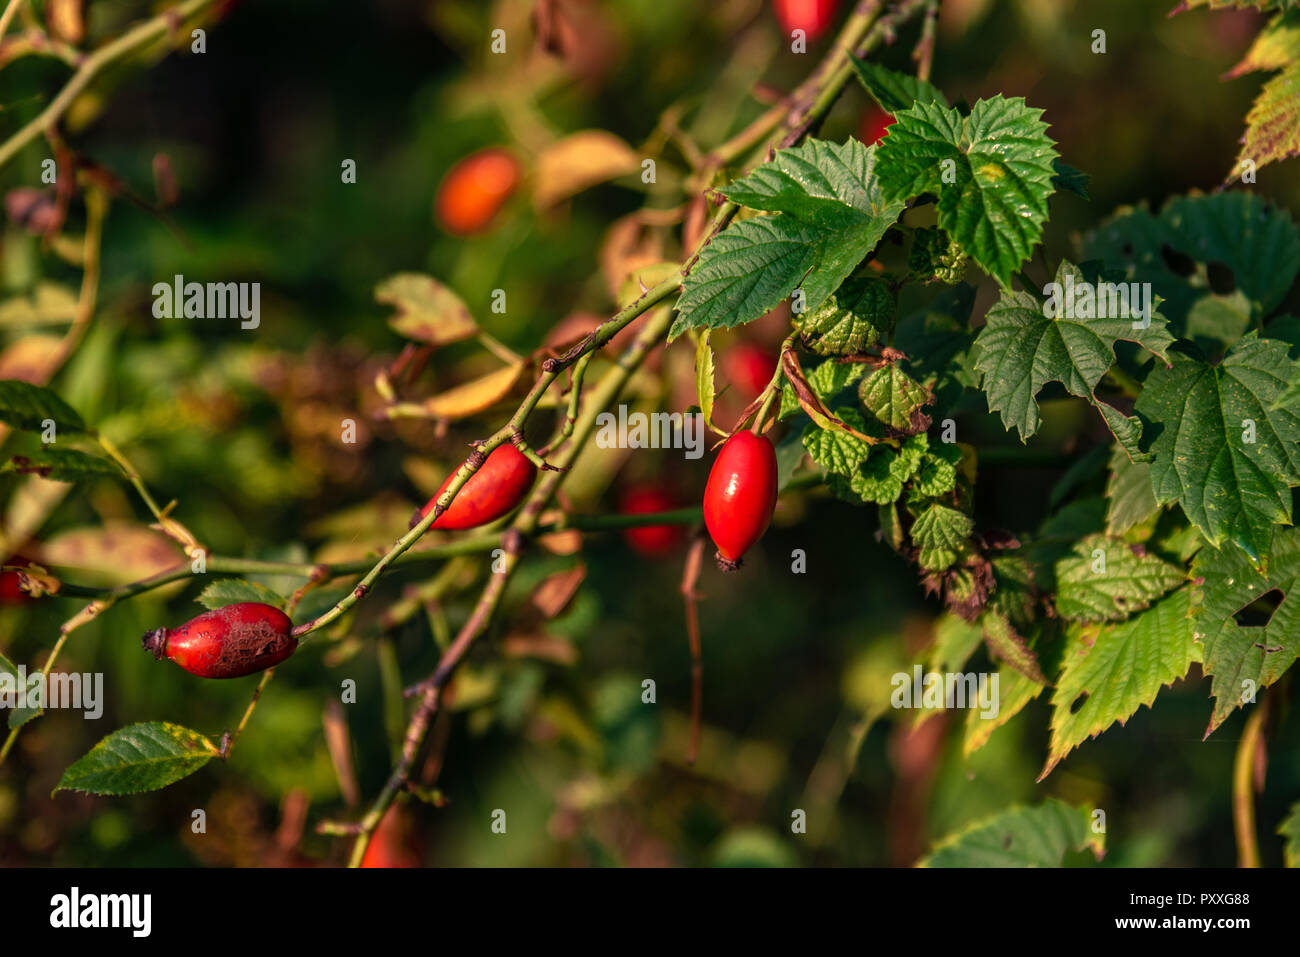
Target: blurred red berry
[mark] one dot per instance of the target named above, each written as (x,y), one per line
(475,189)
(650,541)
(873,126)
(748,368)
(390,845)
(811,16)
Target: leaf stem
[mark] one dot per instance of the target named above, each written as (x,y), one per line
(1243,792)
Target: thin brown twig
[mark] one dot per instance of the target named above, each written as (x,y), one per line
(690,578)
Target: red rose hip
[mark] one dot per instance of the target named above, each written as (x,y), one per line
(475,189)
(228,642)
(494,490)
(811,16)
(740,496)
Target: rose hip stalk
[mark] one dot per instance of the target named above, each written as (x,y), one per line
(740,496)
(495,489)
(228,642)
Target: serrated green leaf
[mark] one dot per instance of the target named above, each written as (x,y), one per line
(955,640)
(63,465)
(992,196)
(1273,48)
(139,757)
(1118,668)
(941,533)
(1023,836)
(228,591)
(1290,829)
(1021,348)
(835,450)
(851,319)
(896,399)
(18,716)
(894,91)
(1244,659)
(1130,500)
(1105,579)
(746,272)
(1229,487)
(829,214)
(26,406)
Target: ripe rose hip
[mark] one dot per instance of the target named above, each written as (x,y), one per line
(391,844)
(811,16)
(873,126)
(650,541)
(227,642)
(475,189)
(740,496)
(749,368)
(495,489)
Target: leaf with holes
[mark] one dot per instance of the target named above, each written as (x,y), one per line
(1105,579)
(63,465)
(1220,449)
(991,171)
(1026,344)
(1245,658)
(1022,836)
(1117,668)
(139,757)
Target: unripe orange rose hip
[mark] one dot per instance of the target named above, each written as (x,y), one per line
(228,642)
(495,489)
(475,189)
(740,496)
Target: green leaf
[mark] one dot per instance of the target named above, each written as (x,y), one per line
(829,215)
(1244,659)
(1021,348)
(1228,486)
(63,465)
(1023,836)
(836,450)
(26,406)
(1105,579)
(1015,691)
(139,757)
(1290,829)
(427,311)
(894,91)
(955,640)
(994,201)
(851,319)
(1115,669)
(896,399)
(1068,178)
(941,533)
(47,304)
(18,716)
(704,382)
(1130,500)
(229,591)
(1258,242)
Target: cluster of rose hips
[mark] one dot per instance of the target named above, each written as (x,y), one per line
(247,637)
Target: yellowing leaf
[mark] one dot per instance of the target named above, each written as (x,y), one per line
(474,396)
(427,311)
(578,162)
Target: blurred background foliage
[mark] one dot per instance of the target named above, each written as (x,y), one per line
(241,428)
